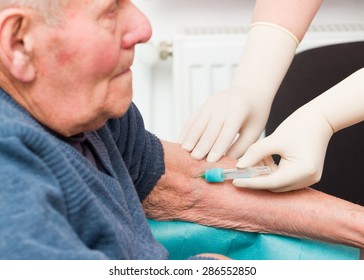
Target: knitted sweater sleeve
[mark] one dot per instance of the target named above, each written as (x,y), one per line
(33,220)
(141,150)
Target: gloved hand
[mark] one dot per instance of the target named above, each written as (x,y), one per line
(213,128)
(302,139)
(244,107)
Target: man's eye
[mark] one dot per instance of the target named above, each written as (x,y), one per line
(113,10)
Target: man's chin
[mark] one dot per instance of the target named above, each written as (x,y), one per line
(120,111)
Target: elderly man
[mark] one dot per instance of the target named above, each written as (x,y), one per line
(78,169)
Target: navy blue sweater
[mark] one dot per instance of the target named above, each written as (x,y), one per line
(55,204)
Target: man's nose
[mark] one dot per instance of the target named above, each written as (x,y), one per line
(138,28)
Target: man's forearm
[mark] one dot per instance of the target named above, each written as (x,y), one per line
(307,213)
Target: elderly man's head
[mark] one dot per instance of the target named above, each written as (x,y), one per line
(71,74)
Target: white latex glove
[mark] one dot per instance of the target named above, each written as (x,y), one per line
(245,106)
(302,139)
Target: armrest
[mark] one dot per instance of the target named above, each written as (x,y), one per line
(184,239)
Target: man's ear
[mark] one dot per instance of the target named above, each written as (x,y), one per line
(16,44)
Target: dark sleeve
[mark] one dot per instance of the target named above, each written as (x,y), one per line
(141,150)
(33,219)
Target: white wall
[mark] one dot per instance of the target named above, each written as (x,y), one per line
(153,84)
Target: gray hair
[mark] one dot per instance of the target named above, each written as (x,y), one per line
(50,10)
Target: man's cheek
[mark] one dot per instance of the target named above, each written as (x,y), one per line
(106,61)
(65,55)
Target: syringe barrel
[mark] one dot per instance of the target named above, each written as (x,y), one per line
(249,172)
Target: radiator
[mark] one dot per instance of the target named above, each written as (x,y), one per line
(204,59)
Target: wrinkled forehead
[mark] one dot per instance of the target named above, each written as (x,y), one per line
(53,5)
(35,4)
(51,10)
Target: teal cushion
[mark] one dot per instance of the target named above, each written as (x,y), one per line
(183,239)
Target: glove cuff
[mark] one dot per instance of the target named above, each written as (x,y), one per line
(278,27)
(268,52)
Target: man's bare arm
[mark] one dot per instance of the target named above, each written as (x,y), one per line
(307,213)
